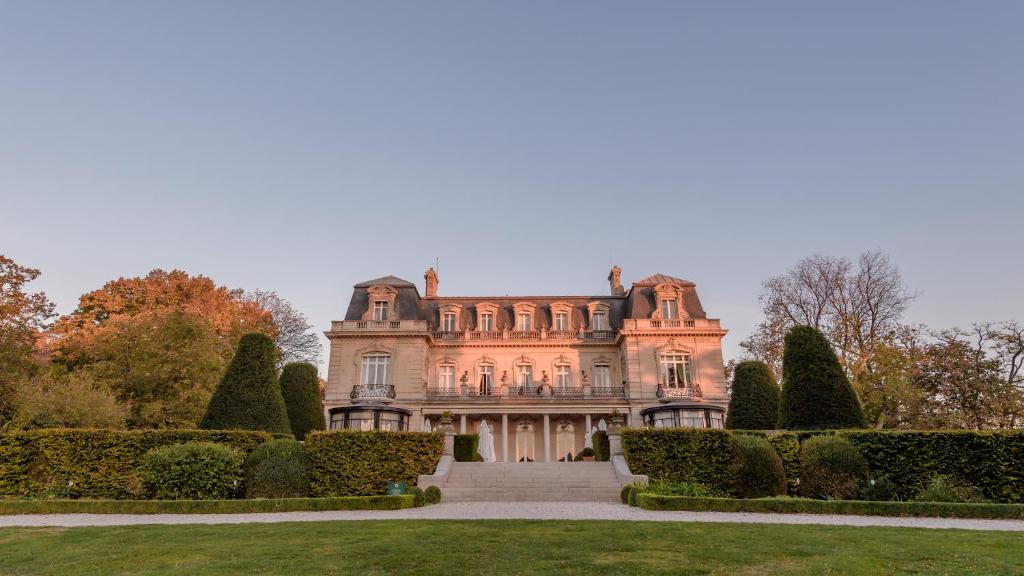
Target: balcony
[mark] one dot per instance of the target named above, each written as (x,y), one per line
(493,335)
(380,392)
(339,326)
(667,393)
(698,324)
(528,392)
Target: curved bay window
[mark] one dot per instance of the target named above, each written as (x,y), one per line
(684,416)
(375,418)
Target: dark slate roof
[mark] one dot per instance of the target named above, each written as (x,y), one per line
(655,279)
(640,298)
(386,281)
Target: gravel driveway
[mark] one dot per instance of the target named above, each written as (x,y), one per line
(506,511)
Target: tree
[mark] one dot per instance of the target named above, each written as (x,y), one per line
(295,336)
(754,403)
(815,390)
(300,387)
(249,397)
(24,317)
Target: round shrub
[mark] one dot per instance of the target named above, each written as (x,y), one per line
(191,471)
(878,489)
(277,469)
(634,491)
(758,470)
(831,468)
(420,498)
(624,493)
(433,494)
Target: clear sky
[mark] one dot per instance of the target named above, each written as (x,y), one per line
(304,147)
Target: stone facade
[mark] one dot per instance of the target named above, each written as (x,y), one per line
(542,371)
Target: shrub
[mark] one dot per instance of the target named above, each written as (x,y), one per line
(830,468)
(433,494)
(754,403)
(420,498)
(300,388)
(787,446)
(635,489)
(682,455)
(624,493)
(689,489)
(248,396)
(600,441)
(466,446)
(93,463)
(878,489)
(942,488)
(191,471)
(352,463)
(816,393)
(277,469)
(758,469)
(585,453)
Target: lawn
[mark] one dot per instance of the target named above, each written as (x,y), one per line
(507,547)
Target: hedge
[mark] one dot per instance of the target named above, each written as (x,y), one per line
(355,463)
(9,507)
(600,441)
(809,506)
(754,401)
(682,455)
(466,446)
(61,463)
(300,388)
(816,393)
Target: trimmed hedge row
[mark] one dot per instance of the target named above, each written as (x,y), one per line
(347,463)
(682,455)
(8,507)
(465,447)
(59,463)
(809,506)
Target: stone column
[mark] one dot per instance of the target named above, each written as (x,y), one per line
(547,438)
(462,424)
(587,425)
(504,437)
(615,435)
(449,437)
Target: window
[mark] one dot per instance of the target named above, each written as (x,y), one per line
(599,321)
(563,375)
(602,376)
(716,420)
(487,322)
(486,372)
(446,378)
(380,310)
(675,370)
(691,418)
(523,323)
(669,310)
(524,378)
(561,321)
(448,322)
(375,369)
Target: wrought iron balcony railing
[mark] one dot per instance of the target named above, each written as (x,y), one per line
(670,392)
(373,392)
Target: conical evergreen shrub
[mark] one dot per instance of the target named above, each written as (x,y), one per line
(816,393)
(754,404)
(301,390)
(248,396)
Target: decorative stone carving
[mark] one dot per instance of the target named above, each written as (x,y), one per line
(614,281)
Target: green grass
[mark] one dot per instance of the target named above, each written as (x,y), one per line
(507,547)
(809,506)
(8,507)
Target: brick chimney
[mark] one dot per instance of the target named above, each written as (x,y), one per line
(431,277)
(613,280)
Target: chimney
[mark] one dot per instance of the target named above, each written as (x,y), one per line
(613,280)
(431,277)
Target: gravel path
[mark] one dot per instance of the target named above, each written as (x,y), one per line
(506,511)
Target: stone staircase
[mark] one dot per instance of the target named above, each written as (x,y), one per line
(530,482)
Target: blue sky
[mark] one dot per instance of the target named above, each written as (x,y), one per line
(303,147)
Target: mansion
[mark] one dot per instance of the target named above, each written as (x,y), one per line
(543,371)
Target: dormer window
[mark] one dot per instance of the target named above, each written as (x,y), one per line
(561,321)
(448,322)
(599,321)
(487,322)
(523,322)
(380,310)
(669,309)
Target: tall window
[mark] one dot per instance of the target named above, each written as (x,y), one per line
(561,321)
(380,310)
(563,375)
(599,321)
(675,370)
(375,369)
(691,418)
(523,323)
(602,376)
(487,322)
(669,310)
(446,378)
(486,379)
(524,377)
(448,322)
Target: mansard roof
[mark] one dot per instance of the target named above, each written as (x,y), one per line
(655,279)
(386,281)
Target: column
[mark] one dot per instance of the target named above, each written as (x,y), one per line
(504,437)
(587,425)
(547,438)
(462,424)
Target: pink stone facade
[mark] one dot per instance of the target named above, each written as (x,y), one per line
(544,372)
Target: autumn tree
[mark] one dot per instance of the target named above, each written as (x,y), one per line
(296,339)
(24,316)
